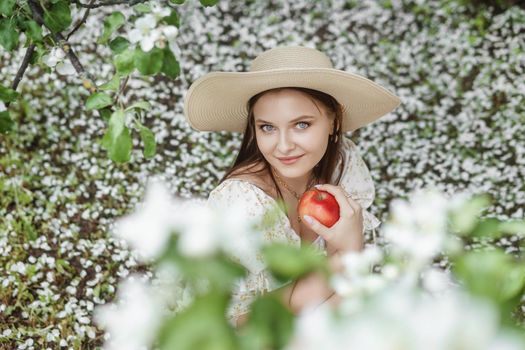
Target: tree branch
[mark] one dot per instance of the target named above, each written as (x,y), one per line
(38,16)
(23,66)
(20,73)
(108,3)
(82,21)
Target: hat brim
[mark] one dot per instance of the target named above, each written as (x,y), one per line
(217,100)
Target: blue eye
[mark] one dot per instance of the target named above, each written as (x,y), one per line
(265,130)
(262,127)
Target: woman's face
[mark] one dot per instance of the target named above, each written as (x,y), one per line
(289,124)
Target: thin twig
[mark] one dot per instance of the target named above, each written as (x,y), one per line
(22,69)
(121,90)
(83,20)
(108,3)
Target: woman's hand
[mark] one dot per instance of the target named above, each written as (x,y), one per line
(347,233)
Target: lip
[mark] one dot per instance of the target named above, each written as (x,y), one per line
(290,160)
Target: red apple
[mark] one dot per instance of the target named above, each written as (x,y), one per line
(319,204)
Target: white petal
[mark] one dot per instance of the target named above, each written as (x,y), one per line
(146,44)
(132,322)
(65,68)
(50,60)
(175,48)
(148,228)
(170,32)
(59,53)
(134,35)
(146,23)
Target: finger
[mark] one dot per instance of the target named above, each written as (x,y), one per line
(339,195)
(316,226)
(352,202)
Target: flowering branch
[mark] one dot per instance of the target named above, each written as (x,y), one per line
(38,16)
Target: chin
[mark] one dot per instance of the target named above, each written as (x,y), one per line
(291,172)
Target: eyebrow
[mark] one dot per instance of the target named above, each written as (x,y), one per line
(291,121)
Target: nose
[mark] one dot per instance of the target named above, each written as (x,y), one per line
(285,144)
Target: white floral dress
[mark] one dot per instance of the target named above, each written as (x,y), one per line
(356,180)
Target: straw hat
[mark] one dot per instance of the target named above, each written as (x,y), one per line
(217,101)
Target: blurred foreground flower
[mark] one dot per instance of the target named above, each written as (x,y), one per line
(407,304)
(201,231)
(403,318)
(417,230)
(132,323)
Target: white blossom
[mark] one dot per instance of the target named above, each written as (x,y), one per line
(133,322)
(402,318)
(149,227)
(418,227)
(144,32)
(56,59)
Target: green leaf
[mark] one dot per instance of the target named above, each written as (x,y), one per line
(98,100)
(148,137)
(105,113)
(120,150)
(513,227)
(139,105)
(119,44)
(33,31)
(270,324)
(491,274)
(208,3)
(111,85)
(142,8)
(221,272)
(205,316)
(289,263)
(111,24)
(7,94)
(116,124)
(148,63)
(170,65)
(6,7)
(58,16)
(178,2)
(124,62)
(117,139)
(6,123)
(465,218)
(8,34)
(105,142)
(173,19)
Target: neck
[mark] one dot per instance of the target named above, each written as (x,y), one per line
(299,185)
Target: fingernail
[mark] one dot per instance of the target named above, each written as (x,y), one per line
(308,219)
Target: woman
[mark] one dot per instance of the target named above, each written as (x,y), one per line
(292,107)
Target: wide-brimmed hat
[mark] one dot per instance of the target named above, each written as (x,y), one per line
(217,101)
